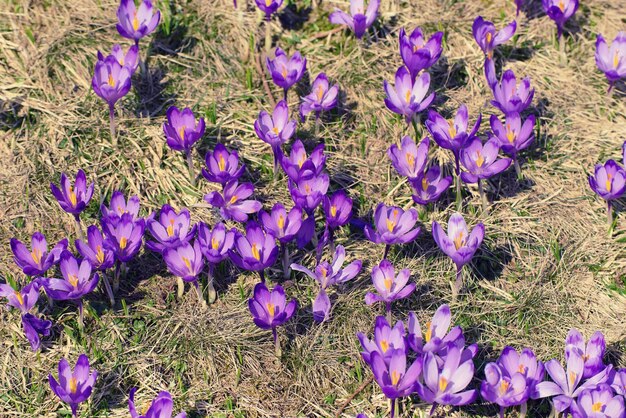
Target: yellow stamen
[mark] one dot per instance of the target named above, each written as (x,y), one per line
(608,184)
(429,332)
(452,129)
(281,221)
(410,159)
(270,309)
(388,282)
(384,345)
(284,72)
(215,243)
(390,225)
(443,384)
(488,37)
(407,96)
(459,241)
(99,254)
(121,61)
(111,81)
(233,199)
(268,3)
(424,184)
(135,22)
(73,196)
(301,161)
(307,189)
(333,211)
(255,252)
(616,59)
(521,369)
(504,386)
(480,160)
(395,377)
(275,130)
(320,93)
(510,135)
(36,255)
(123,242)
(585,358)
(19,297)
(120,210)
(597,407)
(187,263)
(73,279)
(181,133)
(221,163)
(562,5)
(572,378)
(323,271)
(170,228)
(73,385)
(146,406)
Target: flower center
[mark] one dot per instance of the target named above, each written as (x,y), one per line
(36,255)
(424,184)
(233,199)
(73,385)
(73,279)
(407,96)
(488,37)
(417,45)
(384,345)
(395,377)
(510,135)
(320,93)
(388,282)
(443,384)
(271,309)
(215,243)
(521,369)
(120,210)
(504,387)
(111,81)
(572,378)
(221,163)
(275,130)
(73,196)
(608,184)
(480,160)
(307,189)
(135,22)
(562,6)
(459,240)
(181,133)
(121,61)
(187,263)
(19,297)
(452,129)
(281,222)
(333,211)
(268,3)
(123,242)
(429,332)
(616,59)
(170,228)
(255,252)
(585,358)
(390,225)
(284,72)
(597,407)
(99,254)
(410,159)
(301,161)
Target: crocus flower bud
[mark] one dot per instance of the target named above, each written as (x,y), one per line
(509,97)
(337,209)
(392,225)
(323,97)
(160,407)
(284,226)
(408,159)
(513,135)
(270,309)
(481,161)
(256,250)
(171,229)
(430,185)
(275,129)
(390,287)
(38,260)
(233,202)
(608,181)
(268,7)
(135,23)
(184,261)
(181,129)
(222,166)
(130,59)
(99,256)
(386,340)
(77,279)
(459,243)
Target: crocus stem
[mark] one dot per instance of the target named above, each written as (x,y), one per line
(116,277)
(501,412)
(286,263)
(459,282)
(276,151)
(107,287)
(523,409)
(518,169)
(432,410)
(112,125)
(609,91)
(285,94)
(262,274)
(388,311)
(277,349)
(416,129)
(210,286)
(192,174)
(196,286)
(609,215)
(181,287)
(318,122)
(79,228)
(483,196)
(268,35)
(459,197)
(80,313)
(387,248)
(392,407)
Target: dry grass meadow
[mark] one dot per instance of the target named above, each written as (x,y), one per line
(546,264)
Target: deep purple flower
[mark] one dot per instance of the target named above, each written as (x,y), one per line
(481,161)
(268,6)
(123,237)
(609,180)
(488,38)
(359,19)
(592,353)
(408,159)
(323,97)
(308,192)
(275,129)
(111,81)
(160,407)
(94,250)
(297,165)
(560,11)
(513,135)
(73,199)
(135,23)
(270,309)
(184,261)
(77,279)
(254,251)
(33,327)
(286,71)
(598,402)
(129,59)
(389,286)
(525,363)
(233,202)
(437,335)
(392,225)
(430,185)
(617,380)
(171,229)
(459,244)
(222,165)
(612,60)
(393,377)
(337,209)
(119,206)
(215,243)
(24,299)
(181,129)
(37,261)
(408,97)
(509,97)
(417,53)
(284,226)
(386,340)
(74,386)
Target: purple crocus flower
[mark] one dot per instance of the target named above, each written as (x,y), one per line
(360,19)
(386,340)
(392,225)
(284,226)
(184,261)
(408,97)
(111,81)
(617,380)
(222,165)
(459,244)
(93,250)
(525,363)
(77,279)
(297,165)
(389,286)
(337,209)
(323,97)
(37,261)
(74,386)
(408,159)
(129,59)
(430,185)
(417,53)
(254,251)
(233,202)
(444,384)
(119,206)
(437,334)
(160,407)
(488,38)
(123,236)
(33,327)
(592,353)
(24,300)
(215,243)
(135,23)
(598,402)
(181,129)
(481,161)
(393,377)
(308,192)
(73,199)
(270,309)
(275,129)
(612,60)
(608,181)
(170,230)
(560,11)
(286,71)
(509,97)
(268,7)
(513,135)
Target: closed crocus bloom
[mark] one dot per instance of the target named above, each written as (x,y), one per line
(298,165)
(119,206)
(160,407)
(74,386)
(254,251)
(337,209)
(323,97)
(307,193)
(488,38)
(592,353)
(509,97)
(275,129)
(184,261)
(77,279)
(437,333)
(481,161)
(33,328)
(268,7)
(459,243)
(359,19)
(124,237)
(38,260)
(171,229)
(73,199)
(417,53)
(599,402)
(560,11)
(233,202)
(181,129)
(612,60)
(130,59)
(513,135)
(284,226)
(408,159)
(111,81)
(386,340)
(389,286)
(502,389)
(524,363)
(608,181)
(392,225)
(270,309)
(93,250)
(444,384)
(222,166)
(135,23)
(393,377)
(430,185)
(286,71)
(617,380)
(408,97)
(215,243)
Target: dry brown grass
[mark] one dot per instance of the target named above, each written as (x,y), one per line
(546,264)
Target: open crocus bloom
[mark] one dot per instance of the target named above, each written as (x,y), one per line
(481,161)
(275,129)
(389,286)
(329,274)
(609,180)
(284,226)
(270,309)
(135,23)
(393,377)
(338,209)
(94,250)
(184,261)
(459,244)
(408,97)
(111,81)
(308,192)
(73,199)
(222,166)
(417,53)
(525,363)
(611,60)
(452,135)
(254,251)
(408,159)
(393,225)
(502,389)
(123,237)
(268,6)
(215,243)
(74,386)
(38,260)
(77,279)
(233,203)
(23,299)
(359,19)
(386,340)
(129,59)
(592,353)
(598,402)
(286,71)
(488,38)
(119,206)
(430,185)
(160,407)
(435,337)
(509,97)
(181,129)
(298,165)
(513,136)
(171,229)
(323,97)
(560,11)
(617,380)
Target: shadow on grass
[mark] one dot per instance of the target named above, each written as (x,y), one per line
(444,77)
(294,17)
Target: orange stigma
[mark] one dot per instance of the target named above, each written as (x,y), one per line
(424,183)
(73,199)
(135,22)
(281,221)
(459,241)
(36,255)
(271,309)
(73,385)
(384,345)
(123,242)
(99,254)
(429,332)
(111,81)
(443,384)
(255,252)
(275,130)
(410,159)
(488,37)
(73,279)
(562,6)
(597,407)
(233,199)
(181,133)
(170,228)
(221,163)
(395,377)
(452,129)
(388,282)
(510,135)
(480,160)
(19,297)
(333,211)
(215,243)
(187,263)
(407,96)
(320,93)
